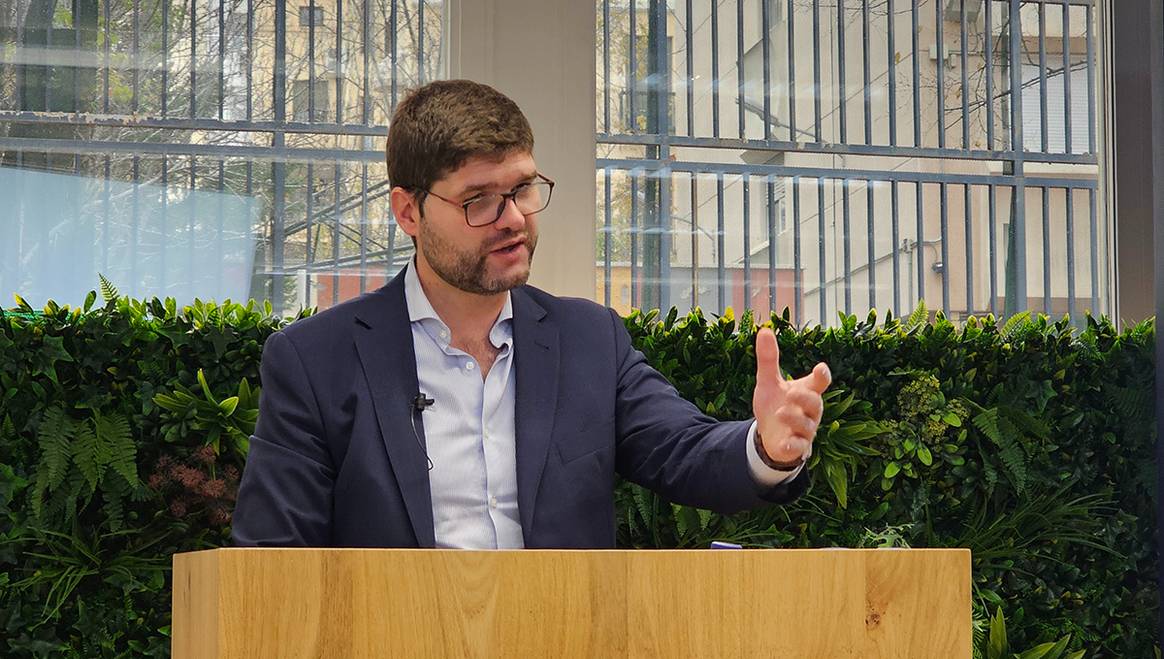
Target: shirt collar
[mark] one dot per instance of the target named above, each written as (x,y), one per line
(420,309)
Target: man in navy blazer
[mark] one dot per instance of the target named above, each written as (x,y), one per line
(532,402)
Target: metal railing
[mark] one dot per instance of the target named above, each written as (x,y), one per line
(160,114)
(852,154)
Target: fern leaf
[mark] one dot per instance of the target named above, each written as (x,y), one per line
(987,422)
(87,455)
(919,316)
(1014,324)
(108,290)
(55,436)
(115,437)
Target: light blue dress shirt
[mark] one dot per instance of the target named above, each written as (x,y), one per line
(470,434)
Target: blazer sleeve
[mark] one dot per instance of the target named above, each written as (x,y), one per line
(285,497)
(667,444)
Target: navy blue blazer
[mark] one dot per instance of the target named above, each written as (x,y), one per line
(334,461)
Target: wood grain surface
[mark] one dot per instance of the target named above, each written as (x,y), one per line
(359,603)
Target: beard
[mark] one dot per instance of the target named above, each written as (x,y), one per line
(468,270)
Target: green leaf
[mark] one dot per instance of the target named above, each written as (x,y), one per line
(923,454)
(206,387)
(892,469)
(952,419)
(89,300)
(997,646)
(228,405)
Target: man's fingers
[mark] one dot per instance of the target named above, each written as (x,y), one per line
(768,360)
(820,378)
(809,402)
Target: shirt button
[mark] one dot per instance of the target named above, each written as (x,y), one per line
(493,502)
(444,334)
(468,366)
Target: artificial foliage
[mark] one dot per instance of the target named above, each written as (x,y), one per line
(124,429)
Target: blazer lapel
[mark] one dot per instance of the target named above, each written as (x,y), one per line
(536,356)
(384,343)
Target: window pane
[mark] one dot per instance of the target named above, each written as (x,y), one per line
(204,148)
(844,156)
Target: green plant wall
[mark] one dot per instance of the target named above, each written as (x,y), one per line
(124,425)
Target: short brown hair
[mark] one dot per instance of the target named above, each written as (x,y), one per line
(439,126)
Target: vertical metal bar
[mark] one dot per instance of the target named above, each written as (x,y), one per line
(309,218)
(135,227)
(891,58)
(391,269)
(896,230)
(135,77)
(420,77)
(340,72)
(965,77)
(393,55)
(166,59)
(76,71)
(607,230)
(1094,242)
(1046,249)
(747,219)
(842,97)
(192,216)
(988,66)
(1043,76)
(690,84)
(105,201)
(279,166)
(694,240)
(820,243)
(816,85)
(721,245)
(366,46)
(1018,222)
(310,61)
(865,71)
(1069,193)
(634,238)
(766,37)
(163,222)
(632,72)
(714,68)
(364,213)
(847,243)
(251,61)
(1091,148)
(740,67)
(944,207)
(1067,88)
(606,74)
(968,213)
(871,244)
(193,58)
(990,198)
(219,228)
(919,205)
(939,33)
(792,134)
(771,190)
(917,134)
(105,81)
(221,60)
(797,268)
(335,237)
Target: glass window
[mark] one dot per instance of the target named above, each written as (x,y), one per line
(837,157)
(164,144)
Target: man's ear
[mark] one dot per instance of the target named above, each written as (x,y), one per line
(405,210)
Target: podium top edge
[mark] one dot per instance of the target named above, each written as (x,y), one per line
(491,552)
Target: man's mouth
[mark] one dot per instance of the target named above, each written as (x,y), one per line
(509,248)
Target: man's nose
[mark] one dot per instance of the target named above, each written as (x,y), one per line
(511,218)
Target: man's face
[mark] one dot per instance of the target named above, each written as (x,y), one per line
(483,260)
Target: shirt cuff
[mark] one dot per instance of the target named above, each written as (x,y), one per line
(762,473)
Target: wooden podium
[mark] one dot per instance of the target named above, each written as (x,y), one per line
(358,603)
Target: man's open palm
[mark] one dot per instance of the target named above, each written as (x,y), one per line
(787,411)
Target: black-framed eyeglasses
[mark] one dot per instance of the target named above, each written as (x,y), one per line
(486,208)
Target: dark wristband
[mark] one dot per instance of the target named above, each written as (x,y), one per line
(779,466)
